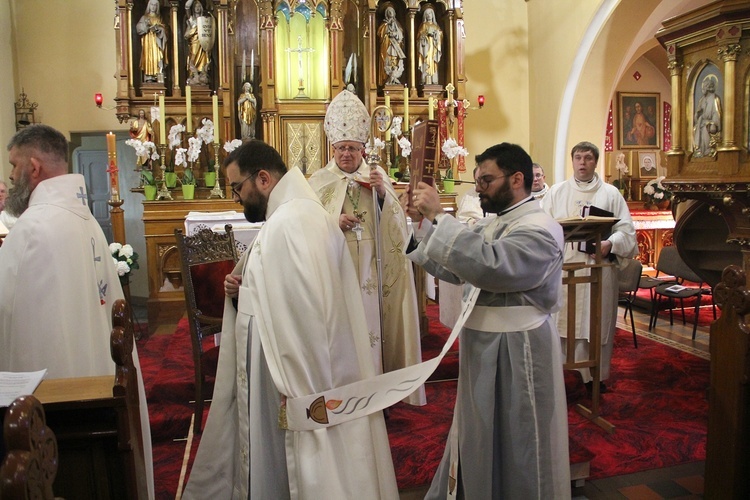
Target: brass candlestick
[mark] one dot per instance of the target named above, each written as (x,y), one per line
(216,191)
(163,191)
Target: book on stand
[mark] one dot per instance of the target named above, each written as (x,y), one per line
(425,147)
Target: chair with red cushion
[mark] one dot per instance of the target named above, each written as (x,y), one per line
(206,257)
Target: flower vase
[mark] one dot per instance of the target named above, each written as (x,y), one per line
(210,179)
(171,179)
(448,185)
(150,192)
(392,172)
(188,191)
(663,205)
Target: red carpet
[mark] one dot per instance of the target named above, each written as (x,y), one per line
(657,403)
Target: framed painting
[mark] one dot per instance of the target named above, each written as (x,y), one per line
(638,120)
(647,164)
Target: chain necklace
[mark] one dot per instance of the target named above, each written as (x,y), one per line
(355,203)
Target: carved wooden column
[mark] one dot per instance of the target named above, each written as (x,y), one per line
(267,51)
(175,61)
(412,55)
(335,29)
(728,53)
(675,73)
(451,46)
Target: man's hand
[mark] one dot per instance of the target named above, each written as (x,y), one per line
(346,222)
(427,201)
(606,248)
(377,182)
(232,284)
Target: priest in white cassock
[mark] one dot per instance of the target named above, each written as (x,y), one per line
(298,329)
(344,187)
(567,199)
(509,437)
(58,280)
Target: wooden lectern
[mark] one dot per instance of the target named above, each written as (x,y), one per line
(587,230)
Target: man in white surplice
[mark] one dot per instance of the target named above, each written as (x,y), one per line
(344,187)
(567,199)
(297,330)
(509,437)
(58,280)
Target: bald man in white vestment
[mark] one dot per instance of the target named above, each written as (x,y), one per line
(298,330)
(58,281)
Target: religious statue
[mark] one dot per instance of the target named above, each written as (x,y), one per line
(707,120)
(153,33)
(392,55)
(246,111)
(430,47)
(200,34)
(140,129)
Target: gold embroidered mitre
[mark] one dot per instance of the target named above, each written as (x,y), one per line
(347,119)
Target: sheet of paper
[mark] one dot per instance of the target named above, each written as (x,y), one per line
(15,384)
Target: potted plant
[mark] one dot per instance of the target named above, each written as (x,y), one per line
(448,181)
(149,184)
(126,260)
(188,184)
(148,153)
(656,195)
(451,149)
(175,139)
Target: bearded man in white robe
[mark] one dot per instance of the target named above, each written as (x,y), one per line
(58,280)
(345,187)
(567,199)
(298,329)
(509,437)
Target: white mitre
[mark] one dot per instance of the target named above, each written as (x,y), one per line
(347,119)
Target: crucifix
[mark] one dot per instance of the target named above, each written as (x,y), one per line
(300,50)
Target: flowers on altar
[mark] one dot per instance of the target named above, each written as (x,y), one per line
(403,143)
(374,147)
(124,257)
(146,150)
(230,146)
(655,192)
(451,149)
(206,132)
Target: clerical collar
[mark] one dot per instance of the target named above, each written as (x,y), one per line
(582,183)
(525,200)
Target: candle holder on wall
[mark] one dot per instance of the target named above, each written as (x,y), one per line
(24,111)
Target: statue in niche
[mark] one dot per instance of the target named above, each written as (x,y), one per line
(200,34)
(392,55)
(429,47)
(153,33)
(707,119)
(246,110)
(140,129)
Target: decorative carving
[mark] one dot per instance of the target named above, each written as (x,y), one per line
(729,52)
(732,292)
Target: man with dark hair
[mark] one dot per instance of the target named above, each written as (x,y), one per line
(297,331)
(509,437)
(58,281)
(567,199)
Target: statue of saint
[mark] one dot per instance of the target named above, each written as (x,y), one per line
(707,120)
(246,110)
(153,33)
(140,129)
(429,47)
(392,55)
(200,34)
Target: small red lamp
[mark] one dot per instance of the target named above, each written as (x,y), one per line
(98,99)
(480,101)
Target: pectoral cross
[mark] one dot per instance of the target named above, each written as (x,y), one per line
(300,50)
(358,229)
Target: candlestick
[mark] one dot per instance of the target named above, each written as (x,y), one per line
(162,119)
(215,99)
(388,105)
(430,109)
(406,108)
(216,191)
(189,108)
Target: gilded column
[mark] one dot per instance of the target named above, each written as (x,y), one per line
(451,47)
(126,30)
(728,54)
(335,29)
(175,61)
(412,55)
(675,73)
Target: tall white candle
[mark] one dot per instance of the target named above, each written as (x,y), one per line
(388,105)
(162,120)
(189,108)
(252,65)
(406,109)
(215,99)
(430,109)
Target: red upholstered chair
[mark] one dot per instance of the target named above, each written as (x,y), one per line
(207,257)
(30,465)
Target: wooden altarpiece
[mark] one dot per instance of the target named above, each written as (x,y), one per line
(709,163)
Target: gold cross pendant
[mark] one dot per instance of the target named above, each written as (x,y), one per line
(360,215)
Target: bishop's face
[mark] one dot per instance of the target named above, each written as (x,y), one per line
(493,187)
(244,191)
(348,155)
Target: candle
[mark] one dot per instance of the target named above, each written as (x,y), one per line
(112,156)
(430,109)
(406,108)
(111,144)
(189,108)
(252,65)
(162,119)
(388,105)
(215,99)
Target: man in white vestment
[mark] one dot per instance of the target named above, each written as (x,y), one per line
(509,437)
(567,199)
(344,187)
(58,280)
(539,188)
(297,330)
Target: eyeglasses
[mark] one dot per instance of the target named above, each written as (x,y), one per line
(484,181)
(236,187)
(348,149)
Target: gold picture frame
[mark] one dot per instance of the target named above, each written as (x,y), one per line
(639,116)
(647,164)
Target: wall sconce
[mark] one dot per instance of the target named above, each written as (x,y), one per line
(25,110)
(99,99)
(480,101)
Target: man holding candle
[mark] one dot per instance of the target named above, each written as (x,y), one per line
(58,281)
(345,188)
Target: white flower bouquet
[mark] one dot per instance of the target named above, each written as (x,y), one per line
(124,257)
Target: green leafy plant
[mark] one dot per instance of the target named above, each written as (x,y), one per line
(188,178)
(148,178)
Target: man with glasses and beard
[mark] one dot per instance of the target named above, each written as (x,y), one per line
(345,187)
(298,330)
(509,437)
(58,281)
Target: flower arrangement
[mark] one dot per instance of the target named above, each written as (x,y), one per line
(124,257)
(451,149)
(230,146)
(655,192)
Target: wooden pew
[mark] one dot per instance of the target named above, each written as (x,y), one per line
(97,424)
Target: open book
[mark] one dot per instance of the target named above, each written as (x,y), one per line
(15,384)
